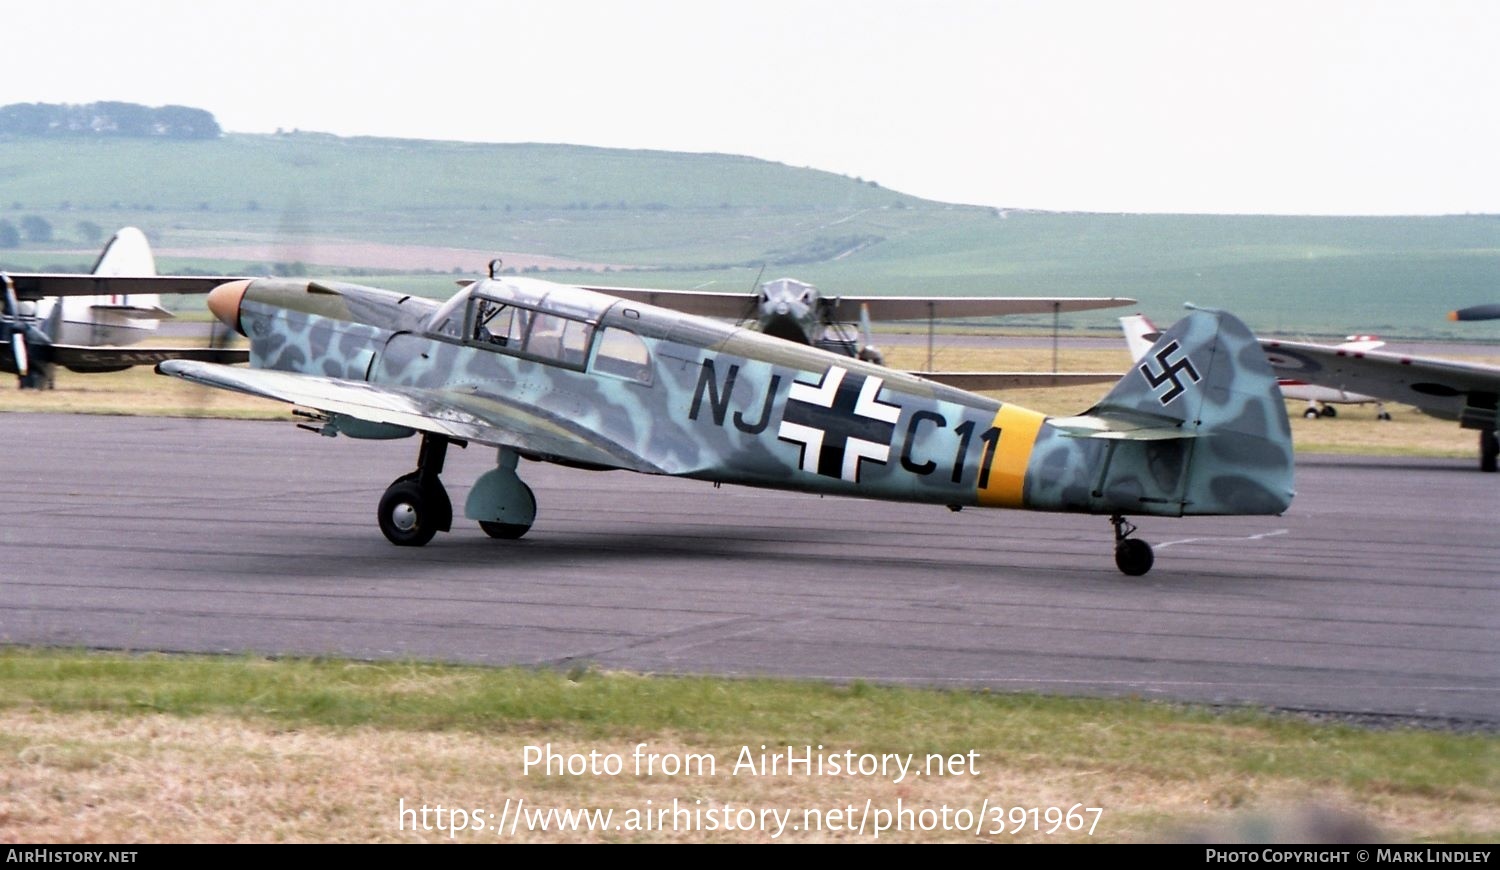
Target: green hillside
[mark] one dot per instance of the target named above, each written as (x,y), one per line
(682,220)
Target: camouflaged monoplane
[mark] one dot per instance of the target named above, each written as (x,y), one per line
(564,374)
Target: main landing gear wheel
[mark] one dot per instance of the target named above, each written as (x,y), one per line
(410,513)
(416,506)
(1132,555)
(1311,414)
(1489,449)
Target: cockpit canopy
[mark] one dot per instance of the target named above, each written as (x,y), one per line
(552,323)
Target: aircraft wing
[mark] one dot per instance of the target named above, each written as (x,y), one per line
(1453,390)
(36,285)
(457,414)
(90,358)
(847,308)
(978,382)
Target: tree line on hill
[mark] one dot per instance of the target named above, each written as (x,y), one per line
(107,119)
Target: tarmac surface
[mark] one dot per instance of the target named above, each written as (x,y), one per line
(1376,595)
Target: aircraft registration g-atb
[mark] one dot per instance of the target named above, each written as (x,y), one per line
(573,376)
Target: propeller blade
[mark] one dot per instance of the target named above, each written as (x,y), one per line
(867,349)
(18,352)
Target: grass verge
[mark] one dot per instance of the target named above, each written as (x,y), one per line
(114,747)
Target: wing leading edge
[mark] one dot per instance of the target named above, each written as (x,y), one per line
(456,414)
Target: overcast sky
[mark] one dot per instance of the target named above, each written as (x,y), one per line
(1260,106)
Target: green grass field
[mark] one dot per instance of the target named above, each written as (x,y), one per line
(102,747)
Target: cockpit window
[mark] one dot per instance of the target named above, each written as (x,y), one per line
(497,325)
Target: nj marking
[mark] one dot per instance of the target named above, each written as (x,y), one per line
(1169,371)
(839,422)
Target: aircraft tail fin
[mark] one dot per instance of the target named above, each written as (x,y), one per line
(1140,334)
(1197,426)
(128,255)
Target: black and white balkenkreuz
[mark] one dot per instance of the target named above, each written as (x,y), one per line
(839,422)
(1170,369)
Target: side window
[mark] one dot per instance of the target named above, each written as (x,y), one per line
(623,354)
(575,342)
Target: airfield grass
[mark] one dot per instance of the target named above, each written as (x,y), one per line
(113,747)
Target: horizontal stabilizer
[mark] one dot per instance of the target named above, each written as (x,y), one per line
(1122,427)
(142,312)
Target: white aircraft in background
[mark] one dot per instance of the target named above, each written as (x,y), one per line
(116,319)
(82,327)
(92,321)
(1140,333)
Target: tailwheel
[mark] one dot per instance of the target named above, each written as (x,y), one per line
(1132,555)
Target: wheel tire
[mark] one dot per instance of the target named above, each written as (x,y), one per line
(410,515)
(1330,411)
(1383,415)
(1134,557)
(1489,449)
(1311,414)
(503,531)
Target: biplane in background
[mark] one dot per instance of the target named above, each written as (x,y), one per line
(798,312)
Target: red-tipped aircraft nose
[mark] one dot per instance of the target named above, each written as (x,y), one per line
(224,302)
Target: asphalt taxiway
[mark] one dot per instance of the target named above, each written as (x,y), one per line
(1377,594)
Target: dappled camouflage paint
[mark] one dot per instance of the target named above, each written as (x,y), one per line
(721,403)
(1235,456)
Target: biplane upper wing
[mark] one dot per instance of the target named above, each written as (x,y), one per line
(847,308)
(401,410)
